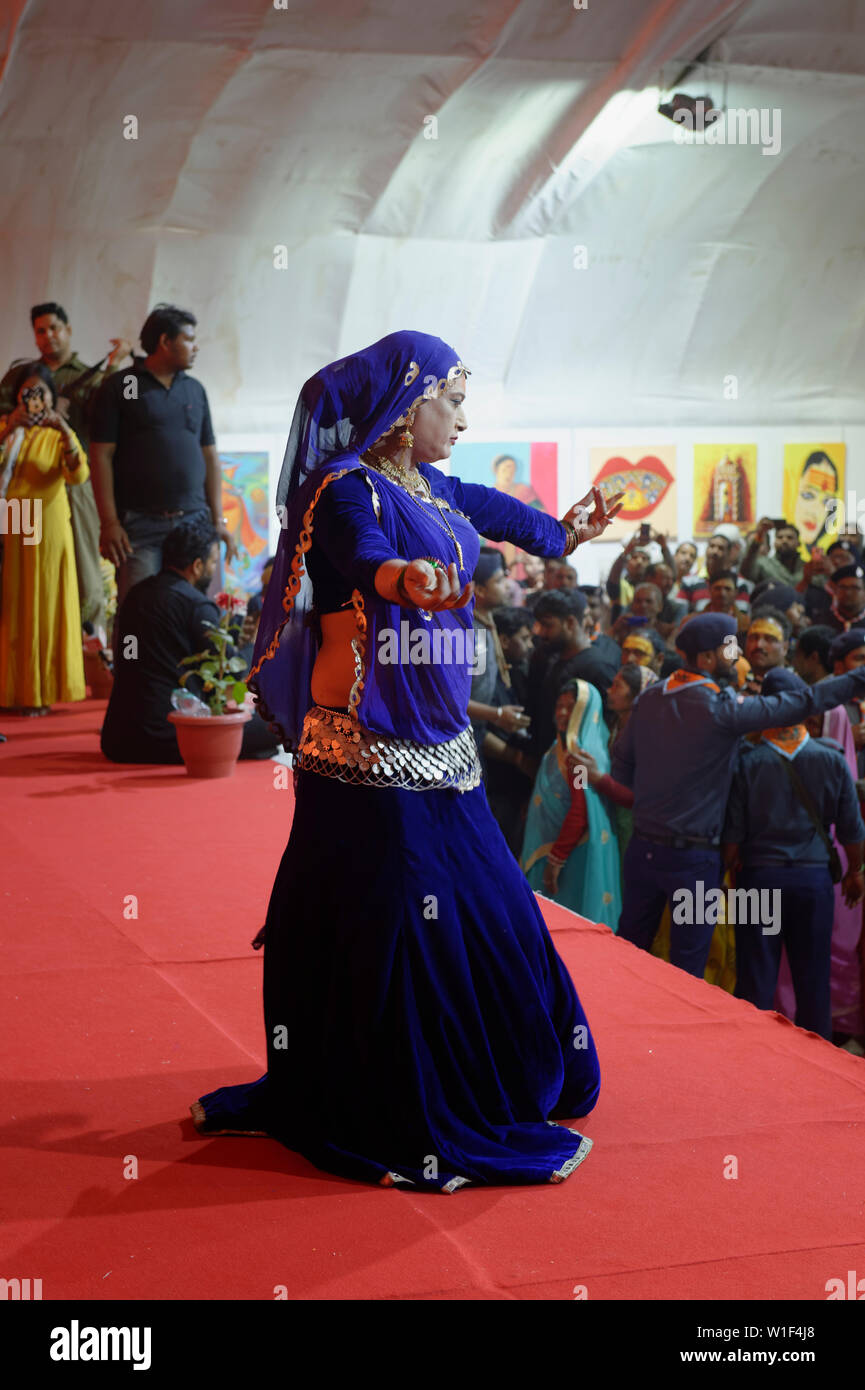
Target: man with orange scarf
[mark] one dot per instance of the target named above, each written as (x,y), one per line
(678,752)
(787,786)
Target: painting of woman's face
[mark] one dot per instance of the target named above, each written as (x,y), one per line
(817,487)
(506,472)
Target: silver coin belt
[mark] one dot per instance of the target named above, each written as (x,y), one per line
(335,745)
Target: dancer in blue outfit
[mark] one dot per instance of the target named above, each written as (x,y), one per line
(420,1026)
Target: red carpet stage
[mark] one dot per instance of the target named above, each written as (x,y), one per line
(129,988)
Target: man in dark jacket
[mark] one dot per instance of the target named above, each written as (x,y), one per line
(677,752)
(781,859)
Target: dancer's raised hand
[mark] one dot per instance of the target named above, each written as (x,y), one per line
(593,513)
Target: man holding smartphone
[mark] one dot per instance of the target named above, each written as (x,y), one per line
(784,565)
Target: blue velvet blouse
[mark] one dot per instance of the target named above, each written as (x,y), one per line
(416,666)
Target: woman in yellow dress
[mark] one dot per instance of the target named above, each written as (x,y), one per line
(41,658)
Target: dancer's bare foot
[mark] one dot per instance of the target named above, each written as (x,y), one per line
(199,1119)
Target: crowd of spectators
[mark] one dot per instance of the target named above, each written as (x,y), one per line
(571,663)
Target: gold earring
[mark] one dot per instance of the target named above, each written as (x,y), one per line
(406,439)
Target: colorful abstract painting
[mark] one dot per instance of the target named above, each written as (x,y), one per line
(725,486)
(647,477)
(245,508)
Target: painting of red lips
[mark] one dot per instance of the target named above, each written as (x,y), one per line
(647,477)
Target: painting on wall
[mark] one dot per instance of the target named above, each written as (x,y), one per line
(813,483)
(246,510)
(525,470)
(725,487)
(647,477)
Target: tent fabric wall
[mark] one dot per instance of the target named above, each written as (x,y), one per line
(307,128)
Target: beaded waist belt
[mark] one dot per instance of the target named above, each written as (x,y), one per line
(335,745)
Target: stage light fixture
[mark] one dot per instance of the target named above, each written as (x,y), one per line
(693,113)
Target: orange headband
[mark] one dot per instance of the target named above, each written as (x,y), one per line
(638,644)
(768,627)
(824,479)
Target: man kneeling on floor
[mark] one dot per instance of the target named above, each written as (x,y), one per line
(166,616)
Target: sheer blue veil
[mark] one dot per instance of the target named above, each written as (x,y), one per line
(341,411)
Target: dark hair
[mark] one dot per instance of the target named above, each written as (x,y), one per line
(788,526)
(510,621)
(51,307)
(759,589)
(672,662)
(849,547)
(777,616)
(561,603)
(188,542)
(657,565)
(39,369)
(725,574)
(632,676)
(816,641)
(165,318)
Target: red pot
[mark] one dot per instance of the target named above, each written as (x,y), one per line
(210,747)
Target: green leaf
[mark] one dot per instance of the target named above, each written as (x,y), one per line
(239,692)
(237,663)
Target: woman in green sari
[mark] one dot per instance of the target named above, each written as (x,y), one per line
(569,849)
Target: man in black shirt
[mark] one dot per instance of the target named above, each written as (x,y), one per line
(153,457)
(565,653)
(847,587)
(162,620)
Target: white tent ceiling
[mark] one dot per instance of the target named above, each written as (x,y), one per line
(308,127)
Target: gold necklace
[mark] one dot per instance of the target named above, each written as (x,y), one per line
(420,493)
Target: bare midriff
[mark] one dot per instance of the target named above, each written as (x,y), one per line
(333,673)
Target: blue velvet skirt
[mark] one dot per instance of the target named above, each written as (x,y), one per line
(421,1028)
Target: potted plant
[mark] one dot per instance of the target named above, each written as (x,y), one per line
(210,739)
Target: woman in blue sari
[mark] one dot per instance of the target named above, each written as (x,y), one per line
(570,850)
(419,1024)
